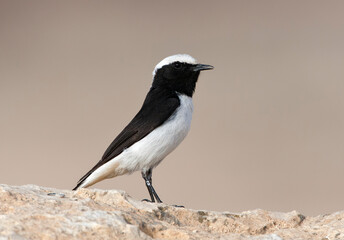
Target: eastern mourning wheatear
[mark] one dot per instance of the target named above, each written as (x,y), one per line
(157,129)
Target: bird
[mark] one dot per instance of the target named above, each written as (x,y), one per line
(157,129)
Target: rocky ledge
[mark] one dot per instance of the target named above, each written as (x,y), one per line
(33,212)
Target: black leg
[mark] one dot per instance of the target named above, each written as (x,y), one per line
(148,182)
(147,176)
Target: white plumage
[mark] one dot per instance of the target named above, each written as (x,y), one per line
(152,149)
(185,58)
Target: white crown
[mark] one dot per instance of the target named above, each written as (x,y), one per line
(185,58)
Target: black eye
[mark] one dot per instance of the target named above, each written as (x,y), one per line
(177,65)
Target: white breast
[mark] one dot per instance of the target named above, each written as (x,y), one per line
(152,149)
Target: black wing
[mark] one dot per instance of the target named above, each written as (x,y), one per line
(158,106)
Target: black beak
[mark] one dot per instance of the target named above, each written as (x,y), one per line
(201,67)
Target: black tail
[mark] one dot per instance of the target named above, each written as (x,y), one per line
(85,176)
(80,182)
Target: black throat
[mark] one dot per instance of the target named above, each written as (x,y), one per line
(185,84)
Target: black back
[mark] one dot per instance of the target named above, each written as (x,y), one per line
(160,103)
(158,106)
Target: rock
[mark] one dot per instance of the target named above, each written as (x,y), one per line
(33,212)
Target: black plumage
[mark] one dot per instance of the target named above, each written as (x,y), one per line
(158,106)
(173,80)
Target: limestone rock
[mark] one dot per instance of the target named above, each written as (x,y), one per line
(33,212)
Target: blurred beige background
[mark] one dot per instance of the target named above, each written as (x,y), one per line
(268,125)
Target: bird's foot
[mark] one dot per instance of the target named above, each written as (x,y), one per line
(147,200)
(150,201)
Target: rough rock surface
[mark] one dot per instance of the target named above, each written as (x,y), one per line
(33,212)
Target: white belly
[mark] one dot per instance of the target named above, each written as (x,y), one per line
(152,149)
